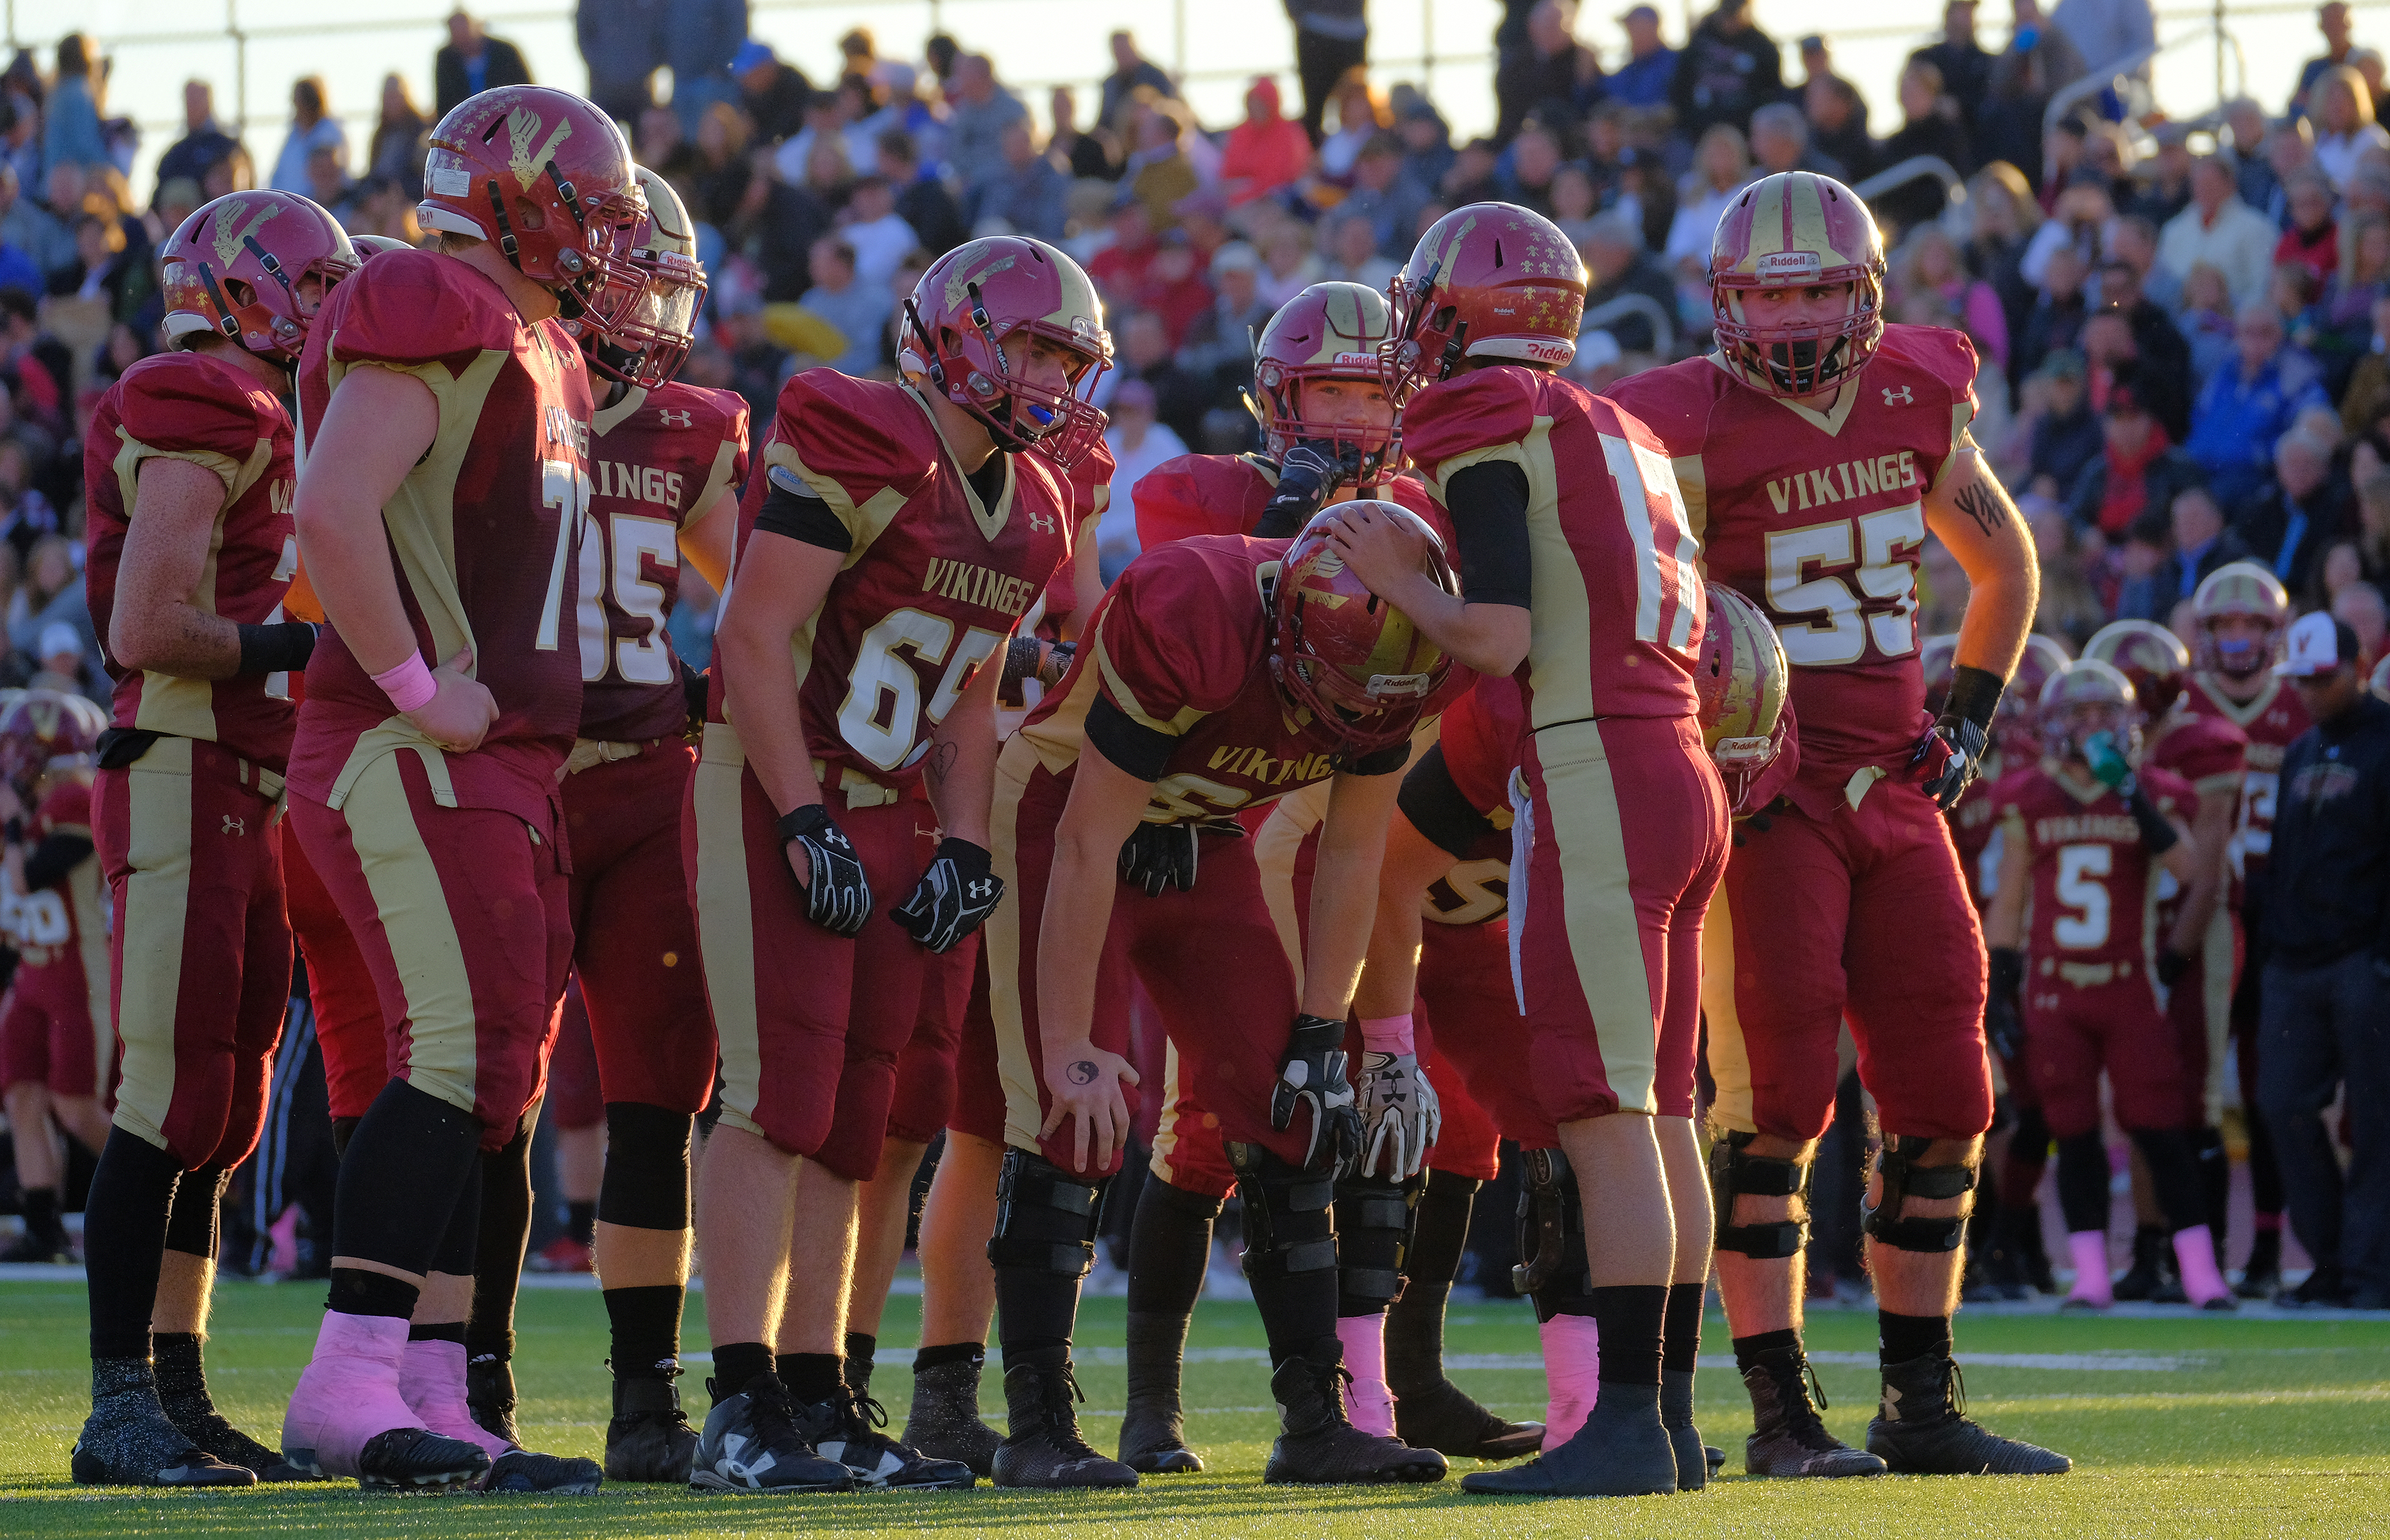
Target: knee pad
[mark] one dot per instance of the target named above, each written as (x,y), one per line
(1287,1226)
(1373,1239)
(1552,1272)
(1904,1179)
(646,1184)
(1046,1218)
(1733,1169)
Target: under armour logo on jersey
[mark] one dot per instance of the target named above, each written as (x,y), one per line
(1044,524)
(235,826)
(673,418)
(1898,397)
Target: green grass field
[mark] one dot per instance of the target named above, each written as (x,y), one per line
(2179,1426)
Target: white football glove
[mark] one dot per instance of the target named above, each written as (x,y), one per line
(1399,1114)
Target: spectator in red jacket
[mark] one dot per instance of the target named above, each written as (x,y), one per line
(1267,152)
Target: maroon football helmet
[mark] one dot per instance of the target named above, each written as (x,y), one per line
(646,348)
(44,731)
(1797,229)
(974,300)
(2017,727)
(2089,697)
(370,246)
(547,177)
(1352,660)
(233,269)
(1741,682)
(1328,331)
(1488,280)
(2148,655)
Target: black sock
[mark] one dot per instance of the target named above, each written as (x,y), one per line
(182,1376)
(860,1350)
(357,1291)
(948,1353)
(1902,1338)
(810,1377)
(1415,1321)
(1630,1317)
(1035,1310)
(1680,1346)
(498,1253)
(1169,1248)
(406,1165)
(1762,1347)
(646,1331)
(735,1364)
(42,1221)
(124,1241)
(437,1331)
(581,1221)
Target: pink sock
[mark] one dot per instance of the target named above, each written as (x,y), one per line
(1573,1366)
(2194,1249)
(432,1376)
(2091,1280)
(348,1392)
(1368,1401)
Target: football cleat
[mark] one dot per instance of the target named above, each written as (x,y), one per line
(751,1444)
(212,1431)
(128,1441)
(650,1438)
(1153,1438)
(490,1392)
(1448,1419)
(550,1475)
(44,1250)
(846,1429)
(2262,1278)
(1317,1445)
(1044,1448)
(1787,1437)
(946,1423)
(433,1378)
(1677,1416)
(1922,1429)
(348,1416)
(2154,1275)
(1622,1451)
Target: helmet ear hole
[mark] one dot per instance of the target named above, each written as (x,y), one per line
(239,292)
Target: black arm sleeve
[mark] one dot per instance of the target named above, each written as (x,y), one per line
(801,515)
(1141,750)
(1488,502)
(2158,835)
(53,858)
(1435,807)
(281,649)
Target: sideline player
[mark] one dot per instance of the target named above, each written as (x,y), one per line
(2084,837)
(893,546)
(2242,611)
(1819,448)
(666,464)
(1219,674)
(439,515)
(1586,588)
(189,466)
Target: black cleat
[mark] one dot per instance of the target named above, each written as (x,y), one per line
(1788,1437)
(212,1432)
(846,1429)
(650,1438)
(1044,1448)
(2262,1279)
(1316,1444)
(1922,1428)
(416,1459)
(2155,1276)
(127,1441)
(751,1444)
(490,1393)
(550,1475)
(1622,1451)
(1677,1416)
(1154,1437)
(39,1249)
(946,1423)
(1448,1419)
(1714,1458)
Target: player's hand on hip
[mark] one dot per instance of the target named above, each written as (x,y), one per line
(1312,1073)
(1088,1088)
(1947,760)
(1400,1115)
(1381,552)
(461,710)
(838,896)
(958,891)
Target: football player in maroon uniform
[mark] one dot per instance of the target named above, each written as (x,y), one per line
(2199,946)
(2084,836)
(1585,587)
(441,512)
(2242,611)
(897,541)
(189,469)
(1218,675)
(1818,448)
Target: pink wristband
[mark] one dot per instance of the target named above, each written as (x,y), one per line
(1386,1033)
(409,685)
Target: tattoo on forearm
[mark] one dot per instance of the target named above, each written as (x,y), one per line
(1082,1071)
(940,765)
(1984,505)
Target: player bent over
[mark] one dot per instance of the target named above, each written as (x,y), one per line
(440,514)
(189,467)
(1583,584)
(1818,448)
(893,547)
(2083,836)
(1218,675)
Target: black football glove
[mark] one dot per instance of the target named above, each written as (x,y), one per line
(1159,856)
(1950,755)
(1313,1072)
(958,891)
(693,695)
(838,898)
(2172,966)
(2003,1015)
(1307,478)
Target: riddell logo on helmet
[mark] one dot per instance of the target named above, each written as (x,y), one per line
(1354,361)
(1790,264)
(1548,353)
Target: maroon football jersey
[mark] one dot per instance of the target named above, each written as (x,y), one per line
(1617,598)
(2095,885)
(657,460)
(1973,824)
(483,531)
(190,406)
(934,580)
(1479,736)
(1224,493)
(2271,720)
(65,926)
(1181,646)
(1820,518)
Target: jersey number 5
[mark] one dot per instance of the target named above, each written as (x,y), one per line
(2083,889)
(1883,556)
(629,538)
(882,714)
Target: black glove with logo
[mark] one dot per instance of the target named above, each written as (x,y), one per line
(2003,1014)
(958,891)
(838,898)
(1313,1072)
(1307,478)
(1950,755)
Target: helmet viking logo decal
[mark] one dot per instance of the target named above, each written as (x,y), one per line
(228,239)
(959,283)
(522,127)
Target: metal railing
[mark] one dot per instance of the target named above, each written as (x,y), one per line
(1664,325)
(1915,168)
